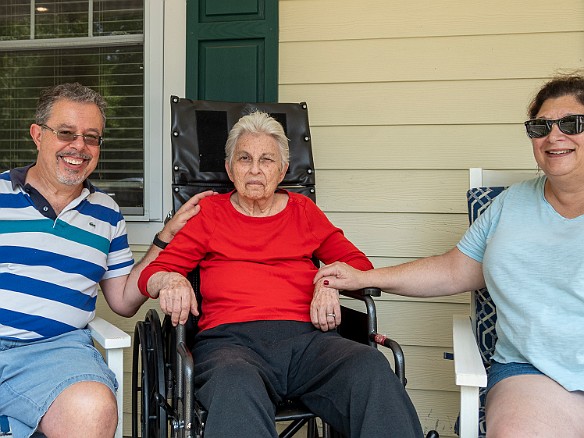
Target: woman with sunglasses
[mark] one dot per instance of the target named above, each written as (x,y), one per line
(528,249)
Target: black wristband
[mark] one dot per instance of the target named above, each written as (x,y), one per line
(159,243)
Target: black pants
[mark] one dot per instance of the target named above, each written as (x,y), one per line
(242,370)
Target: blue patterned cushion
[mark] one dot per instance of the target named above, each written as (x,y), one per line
(479,199)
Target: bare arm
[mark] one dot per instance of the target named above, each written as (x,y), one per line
(446,274)
(122,293)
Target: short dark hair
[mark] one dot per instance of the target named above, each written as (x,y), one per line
(69,91)
(570,84)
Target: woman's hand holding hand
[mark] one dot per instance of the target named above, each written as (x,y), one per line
(340,276)
(325,308)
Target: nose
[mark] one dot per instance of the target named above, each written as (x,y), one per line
(555,131)
(78,142)
(255,166)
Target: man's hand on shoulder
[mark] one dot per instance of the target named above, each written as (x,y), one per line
(182,216)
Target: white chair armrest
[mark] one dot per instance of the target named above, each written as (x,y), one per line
(108,335)
(113,340)
(470,374)
(468,365)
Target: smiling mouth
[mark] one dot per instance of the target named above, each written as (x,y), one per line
(73,161)
(557,153)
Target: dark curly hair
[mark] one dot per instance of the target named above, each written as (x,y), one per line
(571,84)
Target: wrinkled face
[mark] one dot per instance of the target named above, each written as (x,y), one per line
(559,154)
(257,168)
(68,163)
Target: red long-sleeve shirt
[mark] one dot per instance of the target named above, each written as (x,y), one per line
(255,268)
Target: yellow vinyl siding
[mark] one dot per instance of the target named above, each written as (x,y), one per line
(427,58)
(338,20)
(343,190)
(404,97)
(421,147)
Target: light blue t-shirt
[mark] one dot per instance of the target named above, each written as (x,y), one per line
(533,264)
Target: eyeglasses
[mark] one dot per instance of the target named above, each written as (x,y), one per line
(570,125)
(68,136)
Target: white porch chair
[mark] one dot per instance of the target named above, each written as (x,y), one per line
(113,340)
(472,351)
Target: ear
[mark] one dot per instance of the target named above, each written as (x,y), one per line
(36,133)
(283,173)
(228,170)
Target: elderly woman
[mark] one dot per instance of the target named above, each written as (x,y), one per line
(266,330)
(528,249)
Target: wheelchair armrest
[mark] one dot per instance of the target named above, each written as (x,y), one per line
(360,293)
(470,374)
(373,338)
(113,340)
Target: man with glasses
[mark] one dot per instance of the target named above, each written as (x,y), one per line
(60,239)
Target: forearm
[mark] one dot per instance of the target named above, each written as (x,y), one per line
(162,279)
(445,274)
(122,293)
(420,278)
(132,294)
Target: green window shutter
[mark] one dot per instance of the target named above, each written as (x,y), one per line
(232,50)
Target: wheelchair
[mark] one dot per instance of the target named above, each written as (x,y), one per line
(163,399)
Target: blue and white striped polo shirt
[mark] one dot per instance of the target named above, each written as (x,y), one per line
(50,268)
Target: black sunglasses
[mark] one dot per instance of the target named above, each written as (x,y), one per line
(570,125)
(68,136)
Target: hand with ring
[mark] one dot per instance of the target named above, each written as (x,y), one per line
(325,308)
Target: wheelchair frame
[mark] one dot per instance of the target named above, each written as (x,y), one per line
(162,379)
(163,399)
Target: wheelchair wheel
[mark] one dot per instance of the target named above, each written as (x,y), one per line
(149,416)
(169,345)
(175,386)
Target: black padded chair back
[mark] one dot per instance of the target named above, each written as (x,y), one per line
(199,131)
